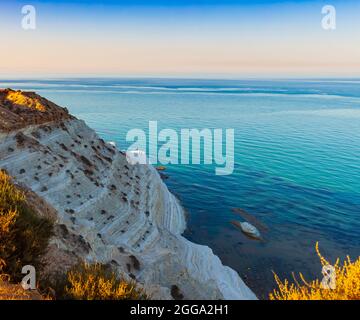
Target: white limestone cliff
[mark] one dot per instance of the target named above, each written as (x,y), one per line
(110,211)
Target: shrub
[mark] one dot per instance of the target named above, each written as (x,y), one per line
(98,282)
(18,98)
(347,284)
(24,236)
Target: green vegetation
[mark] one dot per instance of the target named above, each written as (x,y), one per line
(24,236)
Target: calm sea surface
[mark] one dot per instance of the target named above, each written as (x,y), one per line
(297,161)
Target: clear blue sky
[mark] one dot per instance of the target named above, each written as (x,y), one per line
(181,37)
(168,2)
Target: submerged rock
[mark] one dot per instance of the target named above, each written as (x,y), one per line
(248,229)
(251,219)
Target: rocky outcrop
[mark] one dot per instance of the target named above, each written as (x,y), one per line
(19,109)
(108,210)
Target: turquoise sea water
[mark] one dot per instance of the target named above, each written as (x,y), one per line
(297,161)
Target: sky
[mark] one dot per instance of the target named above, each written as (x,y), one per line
(180,38)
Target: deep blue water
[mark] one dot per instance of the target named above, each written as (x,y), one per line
(297,168)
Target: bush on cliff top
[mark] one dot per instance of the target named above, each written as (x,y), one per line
(19,98)
(347,282)
(24,236)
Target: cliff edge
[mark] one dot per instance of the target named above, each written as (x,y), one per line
(105,209)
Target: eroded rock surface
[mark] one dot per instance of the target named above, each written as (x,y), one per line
(106,209)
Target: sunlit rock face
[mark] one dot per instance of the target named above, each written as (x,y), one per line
(105,208)
(19,109)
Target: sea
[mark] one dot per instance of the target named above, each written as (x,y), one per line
(296,153)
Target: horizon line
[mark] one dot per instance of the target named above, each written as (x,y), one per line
(7,77)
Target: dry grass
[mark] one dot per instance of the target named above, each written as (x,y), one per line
(347,284)
(9,291)
(98,282)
